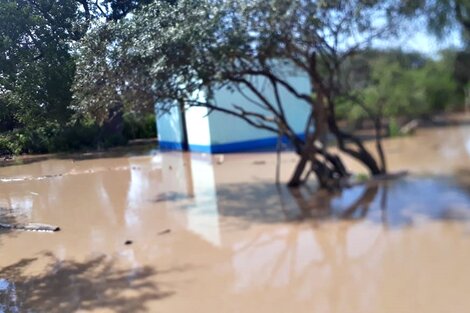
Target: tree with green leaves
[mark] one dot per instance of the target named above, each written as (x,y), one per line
(170,53)
(400,84)
(444,16)
(37,65)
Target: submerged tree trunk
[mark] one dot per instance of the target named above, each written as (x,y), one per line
(358,151)
(296,179)
(314,157)
(378,144)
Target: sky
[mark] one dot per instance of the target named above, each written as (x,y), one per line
(423,42)
(416,38)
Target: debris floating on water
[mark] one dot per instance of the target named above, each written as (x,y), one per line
(166,231)
(220,159)
(31,227)
(409,127)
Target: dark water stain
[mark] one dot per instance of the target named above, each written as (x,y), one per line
(69,286)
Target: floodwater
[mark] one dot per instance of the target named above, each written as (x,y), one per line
(215,234)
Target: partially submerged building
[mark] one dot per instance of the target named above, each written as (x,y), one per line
(197,130)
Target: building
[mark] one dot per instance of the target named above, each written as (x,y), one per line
(217,132)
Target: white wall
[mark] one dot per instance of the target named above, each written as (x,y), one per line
(169,127)
(197,123)
(222,129)
(226,129)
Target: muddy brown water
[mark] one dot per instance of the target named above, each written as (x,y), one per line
(215,234)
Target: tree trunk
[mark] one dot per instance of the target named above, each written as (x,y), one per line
(360,153)
(328,168)
(296,179)
(314,157)
(378,145)
(305,156)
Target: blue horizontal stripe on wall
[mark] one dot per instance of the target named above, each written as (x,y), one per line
(265,144)
(170,145)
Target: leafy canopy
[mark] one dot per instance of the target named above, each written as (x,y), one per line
(167,52)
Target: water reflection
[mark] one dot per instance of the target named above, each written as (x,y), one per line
(259,247)
(404,202)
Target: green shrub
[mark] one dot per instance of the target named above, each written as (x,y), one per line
(76,137)
(52,137)
(136,127)
(393,128)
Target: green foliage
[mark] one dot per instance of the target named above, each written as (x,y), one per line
(393,127)
(137,126)
(76,137)
(36,72)
(443,92)
(82,136)
(394,84)
(170,50)
(37,69)
(48,138)
(361,177)
(445,15)
(168,53)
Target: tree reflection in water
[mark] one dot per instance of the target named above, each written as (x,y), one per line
(68,286)
(319,204)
